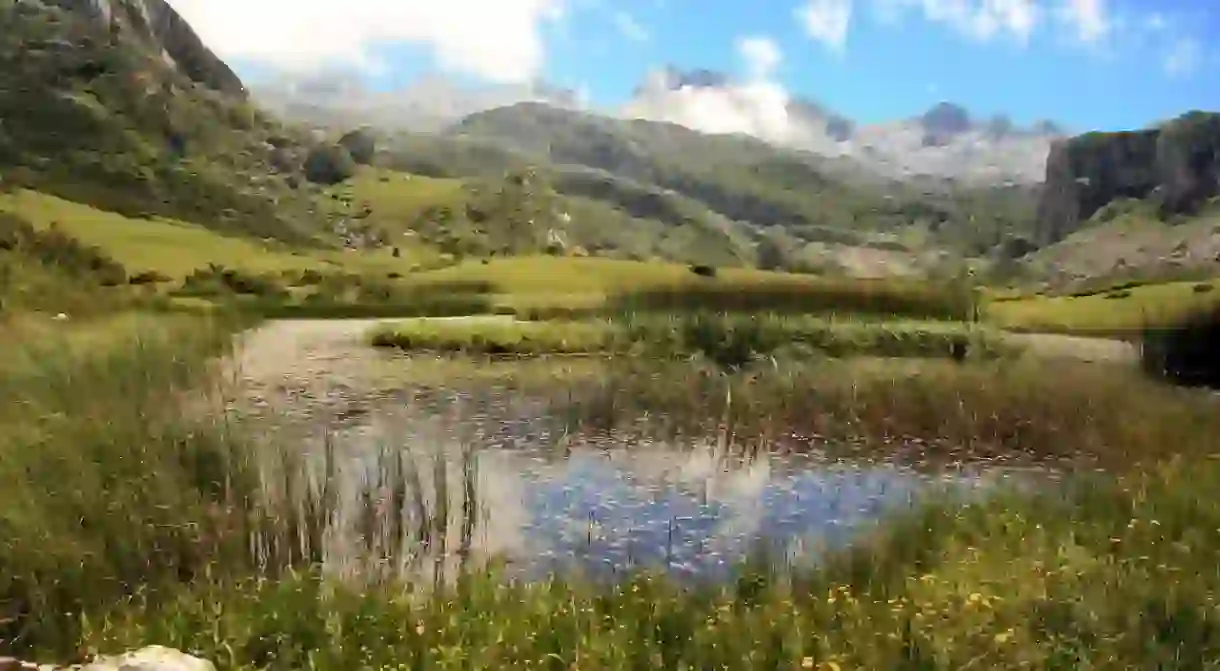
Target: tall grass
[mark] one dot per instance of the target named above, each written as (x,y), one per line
(731,340)
(876,297)
(126,518)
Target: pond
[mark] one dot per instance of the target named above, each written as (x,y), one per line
(482,471)
(495,477)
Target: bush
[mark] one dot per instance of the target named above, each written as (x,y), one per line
(1202,288)
(58,249)
(329,164)
(149,277)
(703,271)
(217,280)
(1187,353)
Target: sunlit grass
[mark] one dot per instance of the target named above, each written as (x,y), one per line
(177,248)
(1128,311)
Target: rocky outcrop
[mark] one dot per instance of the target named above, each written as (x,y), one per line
(157,26)
(1177,164)
(361,144)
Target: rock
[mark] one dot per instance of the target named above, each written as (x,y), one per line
(151,658)
(361,145)
(1177,164)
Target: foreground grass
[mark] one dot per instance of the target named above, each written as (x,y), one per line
(158,535)
(729,339)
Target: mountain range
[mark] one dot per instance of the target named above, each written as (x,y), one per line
(944,142)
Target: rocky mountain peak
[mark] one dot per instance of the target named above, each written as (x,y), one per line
(155,25)
(946,118)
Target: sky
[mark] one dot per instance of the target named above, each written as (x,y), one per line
(1087,64)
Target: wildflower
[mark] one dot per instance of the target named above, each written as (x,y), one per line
(807,663)
(1004,637)
(419,629)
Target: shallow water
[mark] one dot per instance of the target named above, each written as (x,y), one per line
(499,478)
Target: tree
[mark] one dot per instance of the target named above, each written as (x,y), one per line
(771,254)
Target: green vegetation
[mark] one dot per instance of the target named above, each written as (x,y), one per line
(729,340)
(1112,570)
(102,121)
(1103,313)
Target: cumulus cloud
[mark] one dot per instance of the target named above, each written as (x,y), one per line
(1184,57)
(499,40)
(977,19)
(757,106)
(1089,20)
(826,21)
(629,27)
(762,55)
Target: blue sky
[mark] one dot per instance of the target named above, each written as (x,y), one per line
(1089,64)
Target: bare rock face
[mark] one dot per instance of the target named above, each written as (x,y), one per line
(1178,164)
(156,25)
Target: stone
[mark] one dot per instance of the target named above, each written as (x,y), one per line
(151,658)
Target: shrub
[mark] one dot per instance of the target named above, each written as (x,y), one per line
(703,271)
(1187,353)
(217,280)
(149,277)
(1202,288)
(329,164)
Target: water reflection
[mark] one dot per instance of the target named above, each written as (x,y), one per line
(504,481)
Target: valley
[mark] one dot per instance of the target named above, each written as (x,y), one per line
(302,374)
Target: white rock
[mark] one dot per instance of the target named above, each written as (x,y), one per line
(152,658)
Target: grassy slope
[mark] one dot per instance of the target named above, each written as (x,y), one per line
(177,248)
(1154,304)
(398,203)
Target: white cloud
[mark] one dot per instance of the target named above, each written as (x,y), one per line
(762,55)
(1089,20)
(826,21)
(499,40)
(1184,57)
(977,19)
(629,27)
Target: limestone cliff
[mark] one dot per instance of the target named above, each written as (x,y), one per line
(1177,165)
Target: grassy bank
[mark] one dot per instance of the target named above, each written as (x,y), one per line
(729,339)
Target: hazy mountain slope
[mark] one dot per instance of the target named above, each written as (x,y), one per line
(748,180)
(944,142)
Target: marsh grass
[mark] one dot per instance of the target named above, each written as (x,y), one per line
(730,340)
(127,519)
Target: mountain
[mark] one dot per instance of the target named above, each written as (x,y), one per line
(944,143)
(156,26)
(118,104)
(751,181)
(1177,165)
(334,99)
